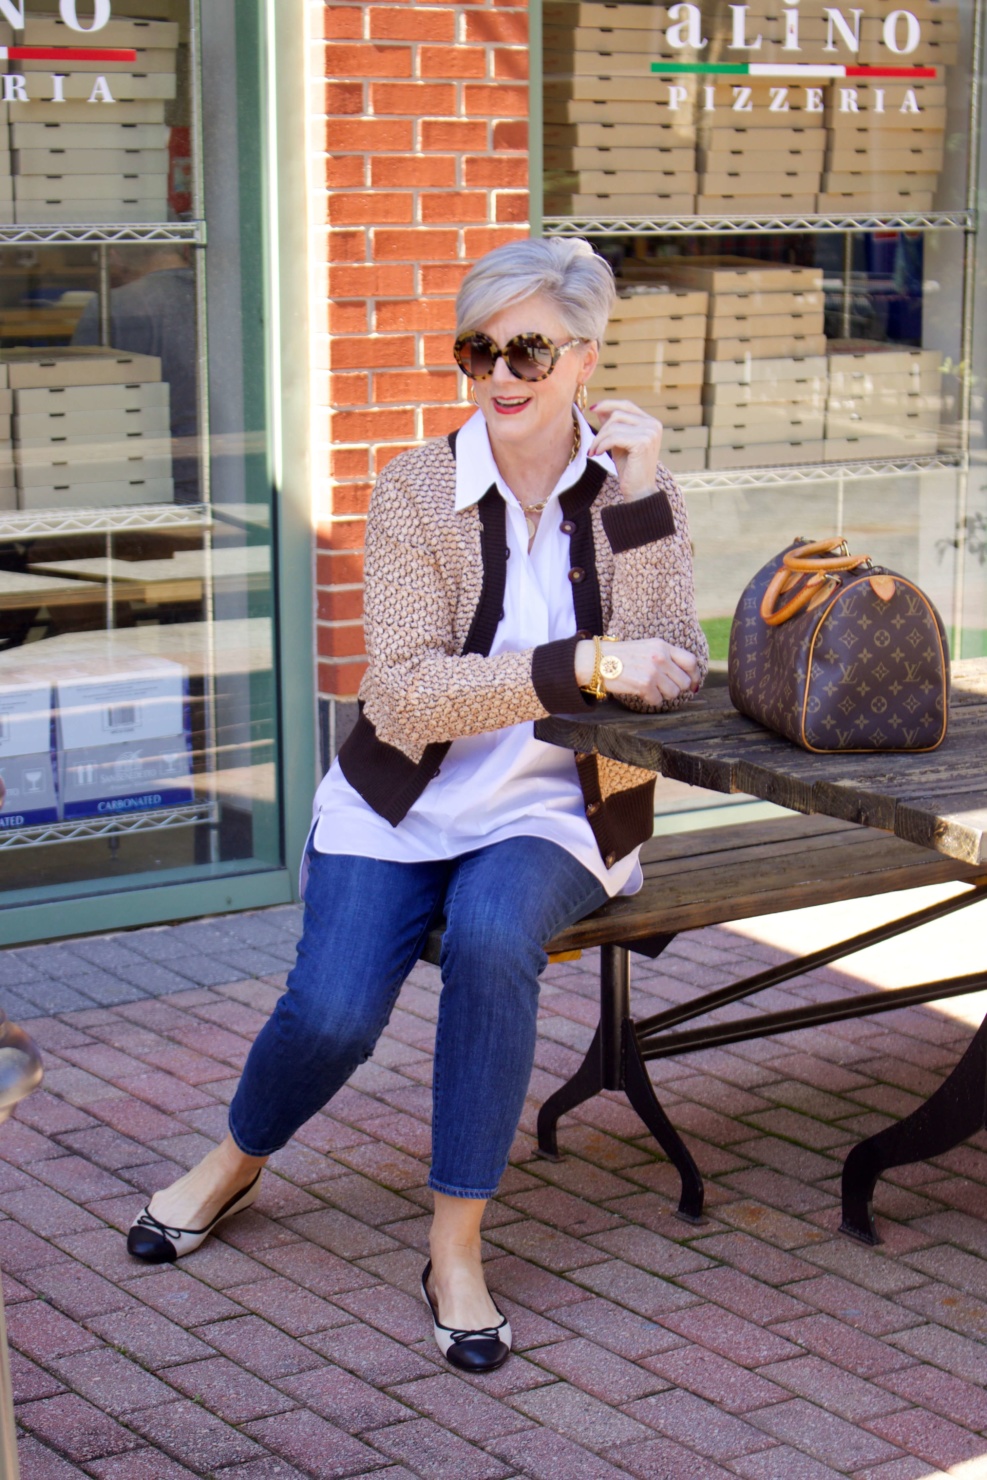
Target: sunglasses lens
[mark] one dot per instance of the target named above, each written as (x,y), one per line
(475,356)
(531,356)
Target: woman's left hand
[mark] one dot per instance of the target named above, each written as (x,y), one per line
(633,440)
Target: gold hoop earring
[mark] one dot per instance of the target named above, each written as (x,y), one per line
(472,393)
(582,396)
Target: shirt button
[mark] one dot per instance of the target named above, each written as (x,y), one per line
(507,552)
(503,614)
(577,574)
(592,809)
(610,860)
(568,526)
(436,772)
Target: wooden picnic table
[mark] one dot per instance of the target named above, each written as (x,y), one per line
(935,802)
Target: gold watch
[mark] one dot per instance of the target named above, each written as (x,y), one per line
(603,668)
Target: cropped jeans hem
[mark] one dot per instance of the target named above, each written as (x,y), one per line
(447,1190)
(247,1150)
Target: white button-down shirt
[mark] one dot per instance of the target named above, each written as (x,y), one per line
(504,783)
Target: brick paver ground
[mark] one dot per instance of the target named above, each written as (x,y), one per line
(760,1344)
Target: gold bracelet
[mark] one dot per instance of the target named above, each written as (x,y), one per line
(596,688)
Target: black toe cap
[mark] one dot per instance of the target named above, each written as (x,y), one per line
(152,1247)
(478,1356)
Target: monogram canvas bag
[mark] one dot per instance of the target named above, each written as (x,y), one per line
(839,654)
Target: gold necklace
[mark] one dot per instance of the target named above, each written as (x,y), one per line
(530,509)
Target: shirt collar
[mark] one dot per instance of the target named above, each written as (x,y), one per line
(476,469)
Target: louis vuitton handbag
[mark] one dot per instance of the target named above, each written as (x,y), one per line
(839,654)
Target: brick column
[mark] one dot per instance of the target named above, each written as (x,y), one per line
(421,124)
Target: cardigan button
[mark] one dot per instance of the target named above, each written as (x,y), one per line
(581,755)
(577,574)
(583,636)
(568,526)
(610,860)
(592,809)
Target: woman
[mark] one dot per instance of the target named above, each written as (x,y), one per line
(496,560)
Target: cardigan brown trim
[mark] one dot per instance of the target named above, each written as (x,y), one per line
(639,523)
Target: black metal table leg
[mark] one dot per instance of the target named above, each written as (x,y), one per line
(641,1094)
(584,1084)
(957,1110)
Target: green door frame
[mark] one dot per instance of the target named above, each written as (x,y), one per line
(151,899)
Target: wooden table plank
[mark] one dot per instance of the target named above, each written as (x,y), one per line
(937,800)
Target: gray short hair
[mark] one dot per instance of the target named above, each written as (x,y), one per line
(565,269)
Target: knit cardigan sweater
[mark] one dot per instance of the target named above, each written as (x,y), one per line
(435,582)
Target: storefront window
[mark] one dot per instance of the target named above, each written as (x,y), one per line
(787,194)
(138,722)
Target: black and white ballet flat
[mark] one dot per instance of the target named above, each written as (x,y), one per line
(156,1243)
(471,1351)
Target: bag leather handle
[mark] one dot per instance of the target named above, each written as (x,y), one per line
(817,556)
(778,583)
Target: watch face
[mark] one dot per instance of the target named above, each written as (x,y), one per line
(611,668)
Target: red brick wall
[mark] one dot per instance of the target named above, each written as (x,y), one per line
(424,149)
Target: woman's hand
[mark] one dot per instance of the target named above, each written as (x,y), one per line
(633,440)
(654,670)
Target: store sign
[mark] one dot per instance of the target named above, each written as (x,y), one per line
(13,14)
(16,84)
(901,34)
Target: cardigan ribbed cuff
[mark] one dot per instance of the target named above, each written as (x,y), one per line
(553,674)
(640,522)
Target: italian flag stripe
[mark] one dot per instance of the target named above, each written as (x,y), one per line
(65,54)
(794,70)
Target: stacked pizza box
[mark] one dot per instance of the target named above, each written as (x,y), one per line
(939,25)
(652,354)
(752,158)
(81,160)
(879,158)
(882,401)
(764,380)
(91,428)
(608,150)
(6,170)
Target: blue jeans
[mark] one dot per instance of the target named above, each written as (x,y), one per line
(364,927)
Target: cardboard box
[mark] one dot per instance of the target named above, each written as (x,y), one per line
(879,199)
(148,396)
(580,13)
(88,137)
(114,495)
(617,205)
(862,449)
(879,159)
(683,439)
(48,213)
(655,302)
(68,427)
(87,189)
(795,398)
(646,89)
(51,30)
(655,374)
(732,205)
(124,162)
(77,366)
(122,698)
(658,137)
(666,347)
(773,346)
(135,776)
(770,421)
(773,373)
(150,60)
(589,157)
(863,355)
(735,274)
(620,182)
(765,325)
(53,467)
(868,183)
(605,111)
(688,461)
(738,180)
(796,429)
(25,719)
(723,305)
(86,115)
(765,455)
(126,87)
(671,329)
(30,799)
